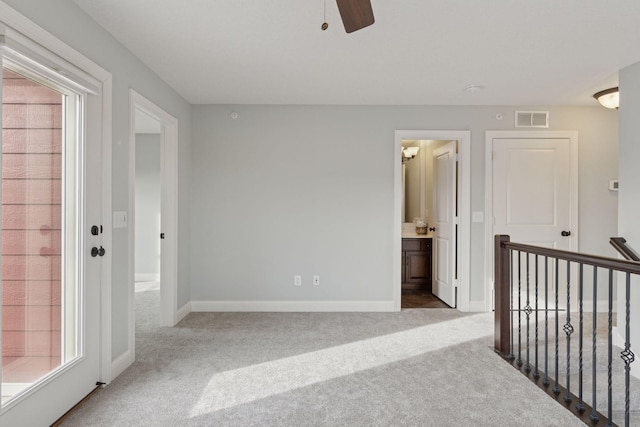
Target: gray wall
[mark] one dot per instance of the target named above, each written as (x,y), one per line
(307,190)
(629,208)
(66,21)
(147,205)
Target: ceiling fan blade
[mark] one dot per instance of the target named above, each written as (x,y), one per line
(356,14)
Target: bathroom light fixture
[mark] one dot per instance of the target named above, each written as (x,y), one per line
(409,153)
(608,98)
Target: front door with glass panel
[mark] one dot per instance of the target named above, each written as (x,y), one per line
(50,282)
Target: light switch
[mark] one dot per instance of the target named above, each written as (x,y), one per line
(477,216)
(119,219)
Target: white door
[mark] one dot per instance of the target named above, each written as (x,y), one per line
(444,238)
(532,203)
(532,192)
(51,198)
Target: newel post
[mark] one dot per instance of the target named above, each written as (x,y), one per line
(502,291)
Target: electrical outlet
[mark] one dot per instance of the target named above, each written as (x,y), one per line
(297,280)
(316,280)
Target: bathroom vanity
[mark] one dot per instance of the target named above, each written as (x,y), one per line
(416,263)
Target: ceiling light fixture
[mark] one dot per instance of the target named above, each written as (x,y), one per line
(609,98)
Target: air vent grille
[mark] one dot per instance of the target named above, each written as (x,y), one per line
(532,119)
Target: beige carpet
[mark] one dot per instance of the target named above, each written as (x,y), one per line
(429,367)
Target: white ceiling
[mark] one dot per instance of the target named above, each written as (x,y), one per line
(533,52)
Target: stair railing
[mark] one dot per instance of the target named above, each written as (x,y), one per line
(533,290)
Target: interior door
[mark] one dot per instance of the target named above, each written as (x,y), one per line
(444,237)
(532,194)
(531,191)
(51,198)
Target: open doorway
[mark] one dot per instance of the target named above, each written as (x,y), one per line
(153,230)
(148,186)
(429,210)
(431,256)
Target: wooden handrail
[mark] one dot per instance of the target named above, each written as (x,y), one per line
(625,250)
(596,260)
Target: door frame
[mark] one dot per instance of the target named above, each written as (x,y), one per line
(572,136)
(169,212)
(464,209)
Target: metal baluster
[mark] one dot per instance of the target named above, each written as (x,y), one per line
(527,312)
(627,355)
(536,372)
(580,405)
(594,401)
(568,329)
(519,359)
(545,380)
(511,356)
(610,353)
(556,387)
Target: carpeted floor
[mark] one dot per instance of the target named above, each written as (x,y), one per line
(418,367)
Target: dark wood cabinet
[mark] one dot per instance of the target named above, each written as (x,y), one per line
(416,264)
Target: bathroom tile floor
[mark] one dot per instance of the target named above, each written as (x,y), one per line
(421,300)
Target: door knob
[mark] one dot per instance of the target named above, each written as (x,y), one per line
(432,229)
(565,233)
(95,251)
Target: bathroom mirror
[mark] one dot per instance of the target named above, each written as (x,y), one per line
(413,180)
(417,178)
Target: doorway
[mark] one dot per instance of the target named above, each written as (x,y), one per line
(148,214)
(153,232)
(412,251)
(429,208)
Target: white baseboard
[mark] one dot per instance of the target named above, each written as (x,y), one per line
(183,311)
(121,363)
(291,306)
(147,277)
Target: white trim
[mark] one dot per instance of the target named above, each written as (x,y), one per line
(464,209)
(121,363)
(82,64)
(183,311)
(147,277)
(291,306)
(169,212)
(572,136)
(107,235)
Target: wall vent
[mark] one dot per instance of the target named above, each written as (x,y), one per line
(532,119)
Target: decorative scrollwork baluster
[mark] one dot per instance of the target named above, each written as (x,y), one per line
(594,398)
(545,380)
(556,386)
(519,359)
(527,311)
(536,372)
(580,405)
(568,330)
(627,355)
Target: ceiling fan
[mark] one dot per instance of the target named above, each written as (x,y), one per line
(356,14)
